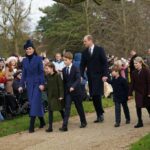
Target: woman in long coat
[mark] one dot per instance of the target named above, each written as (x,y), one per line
(33,79)
(141,85)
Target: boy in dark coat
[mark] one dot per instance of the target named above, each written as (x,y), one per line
(120,96)
(72,88)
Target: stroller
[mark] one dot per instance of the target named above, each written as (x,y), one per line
(11,106)
(8,105)
(23,103)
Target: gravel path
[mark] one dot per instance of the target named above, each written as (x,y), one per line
(95,137)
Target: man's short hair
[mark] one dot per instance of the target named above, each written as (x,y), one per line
(68,55)
(89,37)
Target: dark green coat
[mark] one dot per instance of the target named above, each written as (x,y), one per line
(55,90)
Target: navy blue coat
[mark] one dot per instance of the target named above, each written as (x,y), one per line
(32,77)
(73,80)
(120,89)
(97,67)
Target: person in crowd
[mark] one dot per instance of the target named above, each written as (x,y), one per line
(55,92)
(141,85)
(72,88)
(133,55)
(120,96)
(45,61)
(148,58)
(58,62)
(14,62)
(2,75)
(1,117)
(9,72)
(84,82)
(95,61)
(33,78)
(16,83)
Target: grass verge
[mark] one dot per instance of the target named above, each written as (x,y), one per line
(21,123)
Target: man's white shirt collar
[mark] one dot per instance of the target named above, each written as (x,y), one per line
(92,49)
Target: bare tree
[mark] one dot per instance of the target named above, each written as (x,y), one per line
(14,15)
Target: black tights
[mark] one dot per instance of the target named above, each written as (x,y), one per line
(51,117)
(139,113)
(32,122)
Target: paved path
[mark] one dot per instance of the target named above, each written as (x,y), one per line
(95,137)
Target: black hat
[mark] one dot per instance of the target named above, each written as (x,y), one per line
(28,43)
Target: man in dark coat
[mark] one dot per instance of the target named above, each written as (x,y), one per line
(95,61)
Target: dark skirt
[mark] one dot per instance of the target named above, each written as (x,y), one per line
(142,101)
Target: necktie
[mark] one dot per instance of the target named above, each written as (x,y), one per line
(90,51)
(67,70)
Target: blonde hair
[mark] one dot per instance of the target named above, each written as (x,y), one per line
(140,60)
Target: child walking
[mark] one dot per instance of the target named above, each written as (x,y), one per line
(120,96)
(55,93)
(73,92)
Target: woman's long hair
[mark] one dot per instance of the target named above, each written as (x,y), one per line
(140,60)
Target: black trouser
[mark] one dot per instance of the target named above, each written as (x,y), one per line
(97,102)
(78,104)
(118,111)
(32,122)
(139,112)
(51,117)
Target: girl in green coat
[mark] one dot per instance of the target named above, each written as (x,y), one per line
(55,91)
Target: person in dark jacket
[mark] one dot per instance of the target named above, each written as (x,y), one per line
(95,61)
(76,63)
(120,96)
(55,91)
(72,89)
(16,83)
(141,85)
(33,78)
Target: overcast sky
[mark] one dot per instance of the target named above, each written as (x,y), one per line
(35,13)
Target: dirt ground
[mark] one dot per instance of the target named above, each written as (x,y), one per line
(95,137)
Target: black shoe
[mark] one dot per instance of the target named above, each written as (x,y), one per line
(31,130)
(117,125)
(63,129)
(42,125)
(49,130)
(100,119)
(127,121)
(139,125)
(42,122)
(83,125)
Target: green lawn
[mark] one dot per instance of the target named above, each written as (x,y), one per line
(142,144)
(21,123)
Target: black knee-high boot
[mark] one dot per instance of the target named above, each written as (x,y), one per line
(50,128)
(32,121)
(62,114)
(148,109)
(42,122)
(140,121)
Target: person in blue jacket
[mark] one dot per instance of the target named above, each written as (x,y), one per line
(33,79)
